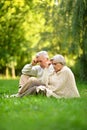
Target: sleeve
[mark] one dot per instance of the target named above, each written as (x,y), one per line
(29,70)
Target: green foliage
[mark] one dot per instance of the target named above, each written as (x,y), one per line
(41,112)
(79,30)
(29,26)
(10,36)
(80,68)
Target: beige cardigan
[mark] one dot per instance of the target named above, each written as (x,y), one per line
(60,84)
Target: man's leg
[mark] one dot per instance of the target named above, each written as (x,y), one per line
(30,91)
(29,84)
(23,80)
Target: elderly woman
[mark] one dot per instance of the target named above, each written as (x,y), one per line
(61,83)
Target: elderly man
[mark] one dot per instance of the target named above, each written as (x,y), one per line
(61,83)
(30,71)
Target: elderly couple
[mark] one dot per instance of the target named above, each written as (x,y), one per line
(50,77)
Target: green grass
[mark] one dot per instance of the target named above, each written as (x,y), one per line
(39,112)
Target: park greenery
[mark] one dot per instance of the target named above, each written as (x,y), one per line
(28,26)
(39,112)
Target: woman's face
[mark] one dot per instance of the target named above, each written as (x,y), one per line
(57,66)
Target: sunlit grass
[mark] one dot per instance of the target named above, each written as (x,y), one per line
(39,112)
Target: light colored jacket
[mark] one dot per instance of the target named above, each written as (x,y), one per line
(62,83)
(36,71)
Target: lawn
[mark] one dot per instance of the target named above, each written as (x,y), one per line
(40,112)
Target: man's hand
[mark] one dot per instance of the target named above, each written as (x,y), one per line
(34,61)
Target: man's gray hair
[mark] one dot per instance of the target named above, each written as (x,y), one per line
(42,53)
(59,58)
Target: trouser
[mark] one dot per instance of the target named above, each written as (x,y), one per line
(23,80)
(30,91)
(29,86)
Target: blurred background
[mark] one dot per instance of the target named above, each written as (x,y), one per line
(29,26)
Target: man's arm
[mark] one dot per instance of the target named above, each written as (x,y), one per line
(29,69)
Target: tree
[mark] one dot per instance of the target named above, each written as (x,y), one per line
(11,38)
(28,26)
(79,34)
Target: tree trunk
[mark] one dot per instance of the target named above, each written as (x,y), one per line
(7,72)
(13,71)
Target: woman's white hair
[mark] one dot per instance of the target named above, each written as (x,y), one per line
(59,58)
(42,53)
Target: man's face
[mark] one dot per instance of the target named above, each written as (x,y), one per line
(42,61)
